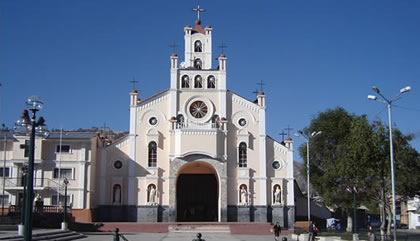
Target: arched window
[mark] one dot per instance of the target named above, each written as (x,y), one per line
(242,155)
(152,154)
(198,82)
(198,64)
(198,46)
(211,82)
(185,81)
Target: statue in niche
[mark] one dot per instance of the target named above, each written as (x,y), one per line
(117,194)
(277,195)
(243,195)
(152,194)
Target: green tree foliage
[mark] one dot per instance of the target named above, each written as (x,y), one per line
(340,156)
(352,151)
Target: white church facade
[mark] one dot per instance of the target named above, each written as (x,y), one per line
(194,152)
(197,151)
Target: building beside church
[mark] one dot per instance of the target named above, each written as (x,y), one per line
(194,152)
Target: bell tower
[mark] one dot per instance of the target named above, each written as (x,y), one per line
(198,44)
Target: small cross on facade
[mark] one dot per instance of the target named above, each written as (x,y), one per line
(198,10)
(134,81)
(261,84)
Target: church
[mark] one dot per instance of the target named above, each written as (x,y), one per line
(196,151)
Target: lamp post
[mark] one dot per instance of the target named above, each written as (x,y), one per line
(4,168)
(34,127)
(391,149)
(307,139)
(64,224)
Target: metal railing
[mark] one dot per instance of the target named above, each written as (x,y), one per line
(197,126)
(41,209)
(38,182)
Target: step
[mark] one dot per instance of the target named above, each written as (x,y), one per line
(199,229)
(55,235)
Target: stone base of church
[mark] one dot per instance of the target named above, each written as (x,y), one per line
(148,214)
(277,215)
(244,213)
(285,215)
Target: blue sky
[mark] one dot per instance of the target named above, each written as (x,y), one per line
(80,55)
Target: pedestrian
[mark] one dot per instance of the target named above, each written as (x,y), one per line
(198,237)
(371,234)
(277,231)
(311,231)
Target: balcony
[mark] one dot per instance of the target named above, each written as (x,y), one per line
(17,183)
(197,126)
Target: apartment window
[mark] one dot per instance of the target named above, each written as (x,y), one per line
(63,173)
(4,172)
(61,200)
(4,199)
(64,148)
(26,147)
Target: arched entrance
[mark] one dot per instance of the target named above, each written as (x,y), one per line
(197,193)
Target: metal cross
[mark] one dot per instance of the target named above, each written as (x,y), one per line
(198,10)
(222,46)
(134,81)
(282,134)
(288,129)
(256,91)
(173,46)
(261,84)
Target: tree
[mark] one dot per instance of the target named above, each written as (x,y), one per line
(352,151)
(339,156)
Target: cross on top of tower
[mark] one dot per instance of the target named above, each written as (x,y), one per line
(134,81)
(173,46)
(222,47)
(282,134)
(198,10)
(261,84)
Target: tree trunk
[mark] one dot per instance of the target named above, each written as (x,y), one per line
(388,231)
(349,223)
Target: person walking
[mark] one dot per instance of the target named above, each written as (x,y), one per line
(277,231)
(311,231)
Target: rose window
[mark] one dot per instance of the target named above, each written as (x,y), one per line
(198,109)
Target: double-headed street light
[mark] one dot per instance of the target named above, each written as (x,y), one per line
(391,149)
(29,125)
(307,138)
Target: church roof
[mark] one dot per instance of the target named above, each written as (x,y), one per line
(153,96)
(197,28)
(72,135)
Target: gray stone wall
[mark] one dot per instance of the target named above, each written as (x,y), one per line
(291,217)
(278,215)
(244,213)
(148,214)
(259,214)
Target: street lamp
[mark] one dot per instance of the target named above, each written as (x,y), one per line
(31,126)
(307,139)
(64,224)
(391,149)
